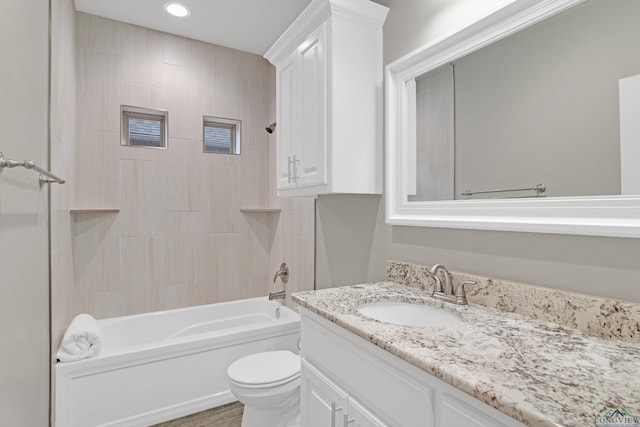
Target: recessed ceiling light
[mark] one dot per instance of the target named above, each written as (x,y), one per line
(176,9)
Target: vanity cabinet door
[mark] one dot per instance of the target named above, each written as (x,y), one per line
(359,416)
(452,411)
(322,403)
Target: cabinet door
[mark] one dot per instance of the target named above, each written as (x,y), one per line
(454,412)
(359,416)
(310,166)
(285,119)
(322,403)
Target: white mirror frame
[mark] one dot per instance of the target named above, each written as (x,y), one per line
(617,216)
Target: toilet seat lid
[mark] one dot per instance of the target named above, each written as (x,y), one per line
(270,367)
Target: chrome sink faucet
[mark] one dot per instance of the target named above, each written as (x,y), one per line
(446,292)
(448,282)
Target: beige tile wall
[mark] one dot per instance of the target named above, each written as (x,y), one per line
(294,243)
(179,237)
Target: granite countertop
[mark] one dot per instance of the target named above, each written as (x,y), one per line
(538,372)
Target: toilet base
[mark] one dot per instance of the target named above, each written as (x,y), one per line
(287,415)
(255,417)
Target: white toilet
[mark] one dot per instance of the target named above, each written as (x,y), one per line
(268,384)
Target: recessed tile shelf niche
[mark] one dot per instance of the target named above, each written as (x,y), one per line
(94,210)
(265,210)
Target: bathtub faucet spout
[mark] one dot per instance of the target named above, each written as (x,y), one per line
(277,295)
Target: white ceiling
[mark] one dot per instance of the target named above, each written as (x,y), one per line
(248,25)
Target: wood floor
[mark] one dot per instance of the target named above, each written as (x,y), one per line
(229,415)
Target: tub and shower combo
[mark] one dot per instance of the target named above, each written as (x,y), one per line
(159,366)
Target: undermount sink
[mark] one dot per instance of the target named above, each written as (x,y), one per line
(408,314)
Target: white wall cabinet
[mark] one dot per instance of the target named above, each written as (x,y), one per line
(347,381)
(301,128)
(329,99)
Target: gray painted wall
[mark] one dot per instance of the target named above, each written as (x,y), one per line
(542,104)
(353,242)
(24,262)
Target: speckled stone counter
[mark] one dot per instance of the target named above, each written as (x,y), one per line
(605,317)
(538,372)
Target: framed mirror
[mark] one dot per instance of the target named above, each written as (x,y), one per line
(527,120)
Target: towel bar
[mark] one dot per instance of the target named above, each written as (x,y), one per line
(45,177)
(539,189)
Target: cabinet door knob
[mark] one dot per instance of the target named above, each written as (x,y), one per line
(289,162)
(334,409)
(295,168)
(348,421)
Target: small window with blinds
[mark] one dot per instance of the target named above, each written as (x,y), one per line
(221,136)
(143,127)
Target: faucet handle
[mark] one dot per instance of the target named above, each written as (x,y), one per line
(437,287)
(283,273)
(461,294)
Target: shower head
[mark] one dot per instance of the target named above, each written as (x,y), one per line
(271,127)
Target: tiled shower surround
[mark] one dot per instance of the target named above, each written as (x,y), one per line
(180,235)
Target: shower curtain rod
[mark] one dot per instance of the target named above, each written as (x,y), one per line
(45,177)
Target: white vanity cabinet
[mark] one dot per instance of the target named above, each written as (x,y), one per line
(347,381)
(328,99)
(326,404)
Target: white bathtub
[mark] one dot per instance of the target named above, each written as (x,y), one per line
(158,366)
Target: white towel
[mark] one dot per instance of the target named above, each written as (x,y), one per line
(82,339)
